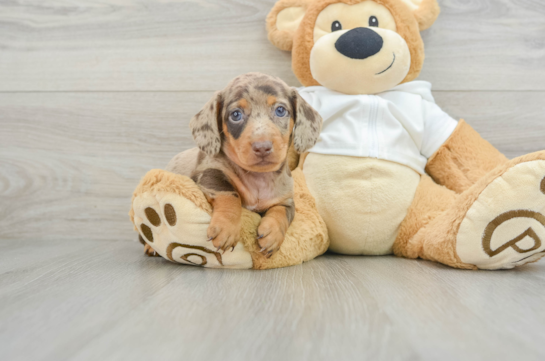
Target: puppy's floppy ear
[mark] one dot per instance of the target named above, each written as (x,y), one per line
(425,11)
(308,124)
(283,21)
(206,126)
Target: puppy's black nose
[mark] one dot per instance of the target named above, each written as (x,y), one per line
(262,148)
(359,43)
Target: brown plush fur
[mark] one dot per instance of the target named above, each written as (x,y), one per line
(430,200)
(408,24)
(463,159)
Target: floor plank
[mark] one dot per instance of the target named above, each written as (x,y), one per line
(173,45)
(106,301)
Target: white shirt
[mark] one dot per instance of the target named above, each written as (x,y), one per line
(402,125)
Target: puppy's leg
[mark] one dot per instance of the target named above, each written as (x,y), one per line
(150,252)
(224,228)
(274,225)
(225,225)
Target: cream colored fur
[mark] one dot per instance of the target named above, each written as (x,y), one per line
(354,76)
(362,200)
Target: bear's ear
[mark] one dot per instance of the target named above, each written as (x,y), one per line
(425,11)
(283,21)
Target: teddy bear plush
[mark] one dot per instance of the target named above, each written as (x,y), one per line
(392,172)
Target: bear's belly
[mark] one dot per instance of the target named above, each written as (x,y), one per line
(362,200)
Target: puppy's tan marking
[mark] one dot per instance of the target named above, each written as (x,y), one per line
(243,103)
(271,100)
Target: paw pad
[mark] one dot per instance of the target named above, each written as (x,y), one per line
(170,214)
(153,217)
(543,186)
(147,232)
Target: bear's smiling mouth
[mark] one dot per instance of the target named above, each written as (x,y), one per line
(389,66)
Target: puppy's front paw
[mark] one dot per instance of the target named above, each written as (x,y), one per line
(224,233)
(270,236)
(150,252)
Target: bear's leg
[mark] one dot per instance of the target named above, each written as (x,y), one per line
(498,223)
(430,201)
(172,215)
(463,159)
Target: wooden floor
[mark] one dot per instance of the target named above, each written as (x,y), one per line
(95,93)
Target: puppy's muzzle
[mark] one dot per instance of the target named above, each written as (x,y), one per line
(262,149)
(359,43)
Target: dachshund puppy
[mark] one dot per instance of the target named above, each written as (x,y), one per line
(244,133)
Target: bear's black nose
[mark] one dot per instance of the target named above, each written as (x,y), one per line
(359,43)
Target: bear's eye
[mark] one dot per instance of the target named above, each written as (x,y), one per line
(336,26)
(281,112)
(373,21)
(236,116)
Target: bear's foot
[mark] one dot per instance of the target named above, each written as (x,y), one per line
(172,218)
(505,226)
(498,223)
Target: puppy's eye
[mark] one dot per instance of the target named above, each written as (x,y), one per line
(336,26)
(281,112)
(373,21)
(236,116)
